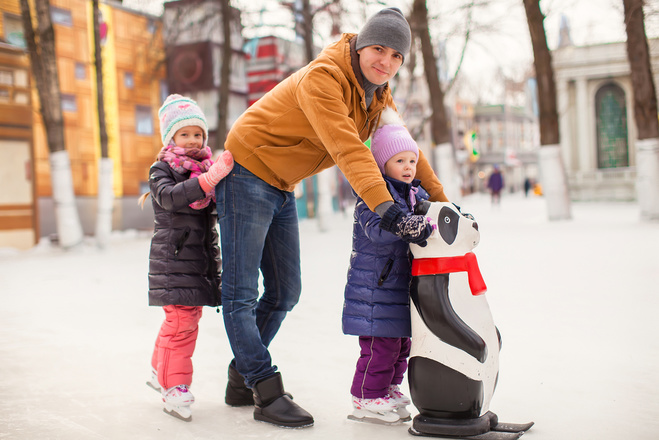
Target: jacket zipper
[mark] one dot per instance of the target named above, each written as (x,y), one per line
(181,241)
(385,271)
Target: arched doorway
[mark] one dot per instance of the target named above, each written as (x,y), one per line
(612,140)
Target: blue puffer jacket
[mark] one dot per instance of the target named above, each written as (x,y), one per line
(377,293)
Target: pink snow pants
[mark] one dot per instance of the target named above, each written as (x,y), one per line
(175,344)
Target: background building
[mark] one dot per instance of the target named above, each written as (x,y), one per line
(598,132)
(18,215)
(194,41)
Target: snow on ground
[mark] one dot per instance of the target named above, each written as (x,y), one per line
(576,302)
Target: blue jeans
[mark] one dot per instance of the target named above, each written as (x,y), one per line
(259,231)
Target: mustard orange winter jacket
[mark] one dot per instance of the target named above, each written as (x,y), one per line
(316,118)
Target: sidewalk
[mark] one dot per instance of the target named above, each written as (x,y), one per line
(576,303)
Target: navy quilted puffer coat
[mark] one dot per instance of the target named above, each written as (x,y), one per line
(377,295)
(184,261)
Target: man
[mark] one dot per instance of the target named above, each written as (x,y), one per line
(317,117)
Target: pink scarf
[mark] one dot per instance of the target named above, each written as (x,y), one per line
(183,160)
(466,263)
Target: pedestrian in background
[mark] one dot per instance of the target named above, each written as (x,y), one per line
(495,184)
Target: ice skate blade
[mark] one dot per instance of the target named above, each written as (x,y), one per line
(153,387)
(375,418)
(185,415)
(490,435)
(512,427)
(404,414)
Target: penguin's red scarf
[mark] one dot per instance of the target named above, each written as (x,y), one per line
(466,263)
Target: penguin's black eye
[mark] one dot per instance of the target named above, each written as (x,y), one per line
(447,220)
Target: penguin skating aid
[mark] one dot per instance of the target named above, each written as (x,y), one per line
(454,361)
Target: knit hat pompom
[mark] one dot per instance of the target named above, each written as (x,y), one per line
(386,28)
(177,112)
(391,138)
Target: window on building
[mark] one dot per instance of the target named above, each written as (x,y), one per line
(13,30)
(6,77)
(164,90)
(69,103)
(143,120)
(151,26)
(5,95)
(129,81)
(21,78)
(61,16)
(612,139)
(80,71)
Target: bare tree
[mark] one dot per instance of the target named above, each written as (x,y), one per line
(443,155)
(41,47)
(438,119)
(105,197)
(551,165)
(304,16)
(225,76)
(645,110)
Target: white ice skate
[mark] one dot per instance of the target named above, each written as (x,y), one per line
(380,410)
(401,403)
(177,402)
(153,382)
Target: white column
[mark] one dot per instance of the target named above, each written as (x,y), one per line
(564,125)
(69,228)
(554,183)
(647,178)
(584,128)
(446,171)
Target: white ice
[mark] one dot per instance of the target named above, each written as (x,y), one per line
(577,303)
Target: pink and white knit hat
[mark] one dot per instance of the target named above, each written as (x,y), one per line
(391,138)
(177,112)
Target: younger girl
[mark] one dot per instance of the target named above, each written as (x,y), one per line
(377,306)
(184,261)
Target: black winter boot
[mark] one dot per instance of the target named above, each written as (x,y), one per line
(274,405)
(237,393)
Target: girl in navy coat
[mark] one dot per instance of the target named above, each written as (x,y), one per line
(377,306)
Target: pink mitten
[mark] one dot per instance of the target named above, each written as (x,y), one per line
(216,172)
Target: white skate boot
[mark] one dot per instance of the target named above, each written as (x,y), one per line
(380,410)
(177,402)
(153,382)
(401,403)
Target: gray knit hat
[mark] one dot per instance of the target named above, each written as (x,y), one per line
(386,28)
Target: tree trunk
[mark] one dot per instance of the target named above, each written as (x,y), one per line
(225,76)
(41,48)
(304,30)
(551,164)
(438,121)
(645,110)
(443,157)
(105,196)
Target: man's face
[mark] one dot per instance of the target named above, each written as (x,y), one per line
(379,63)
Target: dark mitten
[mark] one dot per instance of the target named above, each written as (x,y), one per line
(422,207)
(410,228)
(464,214)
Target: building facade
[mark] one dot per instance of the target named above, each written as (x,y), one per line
(18,208)
(596,111)
(194,41)
(134,86)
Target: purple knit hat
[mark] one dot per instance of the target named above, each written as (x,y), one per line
(388,141)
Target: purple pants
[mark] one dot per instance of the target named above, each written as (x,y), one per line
(382,362)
